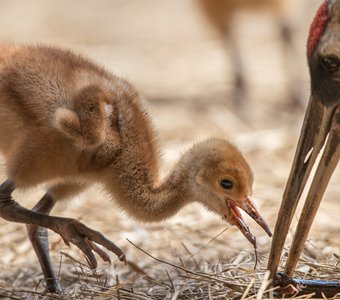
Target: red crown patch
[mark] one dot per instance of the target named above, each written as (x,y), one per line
(317,28)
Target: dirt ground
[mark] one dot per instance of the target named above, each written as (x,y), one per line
(178,63)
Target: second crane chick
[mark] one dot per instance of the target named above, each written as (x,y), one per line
(85,122)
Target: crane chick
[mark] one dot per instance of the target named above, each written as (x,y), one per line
(85,123)
(67,123)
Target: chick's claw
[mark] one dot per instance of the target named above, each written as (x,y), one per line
(85,238)
(104,256)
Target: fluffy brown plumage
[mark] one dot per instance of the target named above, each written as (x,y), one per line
(67,123)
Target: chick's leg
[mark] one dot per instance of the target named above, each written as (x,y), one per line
(68,190)
(39,235)
(71,230)
(39,239)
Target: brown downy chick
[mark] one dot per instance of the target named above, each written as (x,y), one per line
(67,123)
(86,122)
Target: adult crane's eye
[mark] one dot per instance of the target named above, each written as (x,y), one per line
(331,63)
(226,184)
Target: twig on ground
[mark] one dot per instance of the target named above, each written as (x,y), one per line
(233,286)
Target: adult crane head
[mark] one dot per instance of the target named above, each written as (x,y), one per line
(321,130)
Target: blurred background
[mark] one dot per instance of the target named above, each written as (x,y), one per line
(241,75)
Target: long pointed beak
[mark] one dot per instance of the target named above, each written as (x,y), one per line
(249,207)
(320,122)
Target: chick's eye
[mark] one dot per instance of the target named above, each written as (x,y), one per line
(91,108)
(226,184)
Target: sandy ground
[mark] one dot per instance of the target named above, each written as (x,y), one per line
(178,63)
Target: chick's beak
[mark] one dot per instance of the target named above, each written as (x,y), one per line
(248,206)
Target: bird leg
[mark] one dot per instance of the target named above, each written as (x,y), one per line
(239,87)
(71,230)
(287,38)
(292,286)
(39,239)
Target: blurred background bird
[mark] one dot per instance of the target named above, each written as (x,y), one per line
(224,17)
